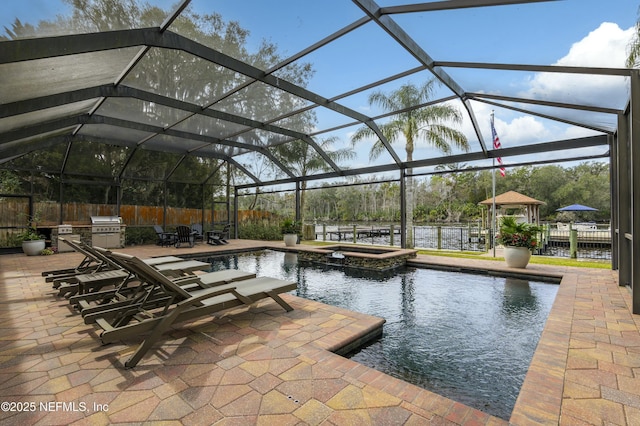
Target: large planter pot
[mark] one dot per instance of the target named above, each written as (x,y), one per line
(517,257)
(33,247)
(290,240)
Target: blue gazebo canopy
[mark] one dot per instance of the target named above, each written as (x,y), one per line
(577,208)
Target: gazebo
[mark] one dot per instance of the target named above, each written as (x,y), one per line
(513,199)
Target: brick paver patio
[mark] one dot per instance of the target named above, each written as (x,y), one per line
(262,365)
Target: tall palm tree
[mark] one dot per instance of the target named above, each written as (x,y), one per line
(429,124)
(303,160)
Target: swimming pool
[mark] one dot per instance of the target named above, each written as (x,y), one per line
(467,337)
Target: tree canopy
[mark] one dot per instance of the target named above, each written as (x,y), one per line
(90,169)
(453,197)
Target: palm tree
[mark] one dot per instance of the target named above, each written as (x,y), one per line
(303,160)
(429,124)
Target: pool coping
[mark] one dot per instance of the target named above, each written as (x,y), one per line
(255,365)
(548,394)
(385,252)
(585,370)
(553,392)
(368,258)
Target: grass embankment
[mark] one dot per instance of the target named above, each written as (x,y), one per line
(543,260)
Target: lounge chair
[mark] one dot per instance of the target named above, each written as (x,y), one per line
(185,305)
(180,271)
(116,275)
(90,264)
(166,264)
(105,273)
(147,296)
(85,266)
(101,262)
(164,238)
(184,235)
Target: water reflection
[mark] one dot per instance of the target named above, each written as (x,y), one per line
(219,263)
(407,291)
(517,296)
(290,262)
(467,337)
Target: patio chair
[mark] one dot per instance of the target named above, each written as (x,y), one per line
(185,305)
(122,292)
(184,234)
(147,296)
(181,271)
(224,234)
(169,265)
(219,237)
(164,238)
(68,284)
(106,273)
(117,275)
(90,264)
(196,228)
(85,266)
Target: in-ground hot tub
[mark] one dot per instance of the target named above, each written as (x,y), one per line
(354,256)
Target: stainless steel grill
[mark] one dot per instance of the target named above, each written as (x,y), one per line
(66,231)
(105,231)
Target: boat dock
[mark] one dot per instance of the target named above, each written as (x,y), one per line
(457,237)
(591,237)
(344,233)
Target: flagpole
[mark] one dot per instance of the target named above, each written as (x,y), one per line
(494,219)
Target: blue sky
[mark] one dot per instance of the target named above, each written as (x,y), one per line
(30,11)
(567,32)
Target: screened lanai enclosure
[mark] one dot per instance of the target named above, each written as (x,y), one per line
(164,105)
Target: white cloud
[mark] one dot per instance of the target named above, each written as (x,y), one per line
(523,130)
(577,132)
(605,46)
(513,129)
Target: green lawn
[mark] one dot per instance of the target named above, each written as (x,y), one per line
(544,260)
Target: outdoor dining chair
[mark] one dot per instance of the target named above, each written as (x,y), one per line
(164,238)
(185,235)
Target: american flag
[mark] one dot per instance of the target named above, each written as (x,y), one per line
(497,145)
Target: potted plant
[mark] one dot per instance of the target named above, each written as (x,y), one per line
(519,240)
(32,242)
(290,230)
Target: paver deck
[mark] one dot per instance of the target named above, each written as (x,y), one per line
(262,365)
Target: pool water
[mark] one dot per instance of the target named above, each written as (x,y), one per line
(464,336)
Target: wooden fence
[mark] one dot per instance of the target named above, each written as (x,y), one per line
(14,215)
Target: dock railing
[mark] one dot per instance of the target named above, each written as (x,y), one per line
(586,241)
(464,237)
(579,240)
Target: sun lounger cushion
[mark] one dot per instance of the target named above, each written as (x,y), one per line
(188,304)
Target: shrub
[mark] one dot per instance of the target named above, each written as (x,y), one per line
(259,230)
(140,235)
